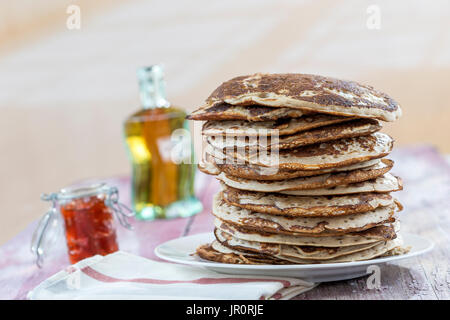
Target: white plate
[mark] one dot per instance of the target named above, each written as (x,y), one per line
(179,250)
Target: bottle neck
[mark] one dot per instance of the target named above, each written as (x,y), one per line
(152,87)
(152,97)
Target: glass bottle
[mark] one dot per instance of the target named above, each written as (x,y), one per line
(162,185)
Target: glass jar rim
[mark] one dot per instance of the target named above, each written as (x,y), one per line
(80,191)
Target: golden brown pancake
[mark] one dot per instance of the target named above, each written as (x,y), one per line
(280,127)
(220,253)
(255,172)
(379,233)
(301,225)
(306,206)
(307,92)
(383,184)
(332,154)
(349,129)
(207,252)
(225,111)
(302,252)
(327,180)
(378,250)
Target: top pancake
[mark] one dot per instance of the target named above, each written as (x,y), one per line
(307,92)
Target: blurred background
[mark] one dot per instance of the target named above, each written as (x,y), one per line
(65,88)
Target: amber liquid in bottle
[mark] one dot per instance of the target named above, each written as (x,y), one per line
(161,188)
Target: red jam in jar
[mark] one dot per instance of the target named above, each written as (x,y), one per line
(89,227)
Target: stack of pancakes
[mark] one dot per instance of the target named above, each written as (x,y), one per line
(301,163)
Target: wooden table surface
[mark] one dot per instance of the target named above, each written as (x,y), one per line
(426,198)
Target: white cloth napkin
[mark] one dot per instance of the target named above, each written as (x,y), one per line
(125,276)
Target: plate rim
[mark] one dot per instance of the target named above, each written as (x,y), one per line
(337,265)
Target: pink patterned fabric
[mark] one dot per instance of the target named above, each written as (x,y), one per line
(19,274)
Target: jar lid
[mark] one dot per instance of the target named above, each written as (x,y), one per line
(79,191)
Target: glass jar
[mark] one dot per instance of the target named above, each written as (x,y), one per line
(87,214)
